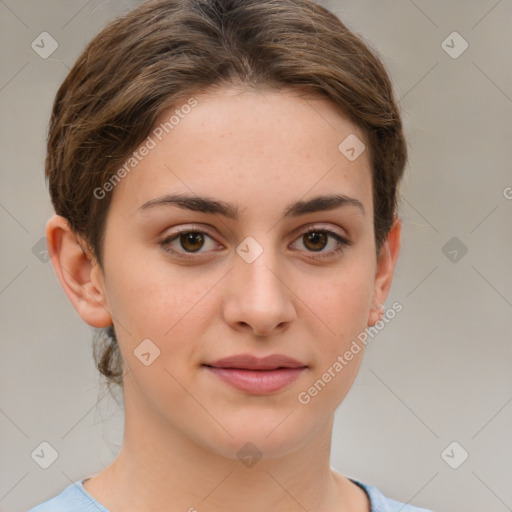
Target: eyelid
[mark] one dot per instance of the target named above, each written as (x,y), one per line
(203,228)
(342,233)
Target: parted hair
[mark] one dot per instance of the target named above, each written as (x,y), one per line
(164,51)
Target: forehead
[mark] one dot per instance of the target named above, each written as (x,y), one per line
(251,147)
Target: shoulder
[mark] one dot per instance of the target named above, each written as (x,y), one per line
(73,498)
(380,503)
(76,499)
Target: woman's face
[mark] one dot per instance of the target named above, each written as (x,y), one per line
(251,280)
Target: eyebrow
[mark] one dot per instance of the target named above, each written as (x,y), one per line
(231,211)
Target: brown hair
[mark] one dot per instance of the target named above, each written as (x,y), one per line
(164,51)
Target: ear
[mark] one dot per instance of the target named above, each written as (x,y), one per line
(80,277)
(386,263)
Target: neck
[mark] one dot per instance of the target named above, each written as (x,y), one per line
(164,470)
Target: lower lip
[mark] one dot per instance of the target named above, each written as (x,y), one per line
(257,381)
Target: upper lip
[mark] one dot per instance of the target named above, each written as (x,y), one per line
(250,362)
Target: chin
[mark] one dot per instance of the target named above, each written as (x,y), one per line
(259,435)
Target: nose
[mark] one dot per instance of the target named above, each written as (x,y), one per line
(258,297)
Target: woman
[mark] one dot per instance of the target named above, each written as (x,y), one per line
(225,176)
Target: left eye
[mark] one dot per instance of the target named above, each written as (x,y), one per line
(316,240)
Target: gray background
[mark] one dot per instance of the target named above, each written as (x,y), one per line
(439,372)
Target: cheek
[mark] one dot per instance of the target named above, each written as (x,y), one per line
(160,302)
(341,308)
(341,300)
(143,302)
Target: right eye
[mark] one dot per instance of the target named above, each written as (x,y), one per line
(190,242)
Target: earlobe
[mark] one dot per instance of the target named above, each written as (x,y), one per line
(77,273)
(386,264)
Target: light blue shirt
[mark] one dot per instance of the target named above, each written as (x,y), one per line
(76,499)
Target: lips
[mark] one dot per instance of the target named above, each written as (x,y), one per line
(249,362)
(258,376)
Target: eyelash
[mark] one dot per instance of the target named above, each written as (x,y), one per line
(343,243)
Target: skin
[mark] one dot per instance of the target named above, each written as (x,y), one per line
(261,150)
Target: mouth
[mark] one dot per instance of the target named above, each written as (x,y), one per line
(257,376)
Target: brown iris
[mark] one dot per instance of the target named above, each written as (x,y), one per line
(318,240)
(192,242)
